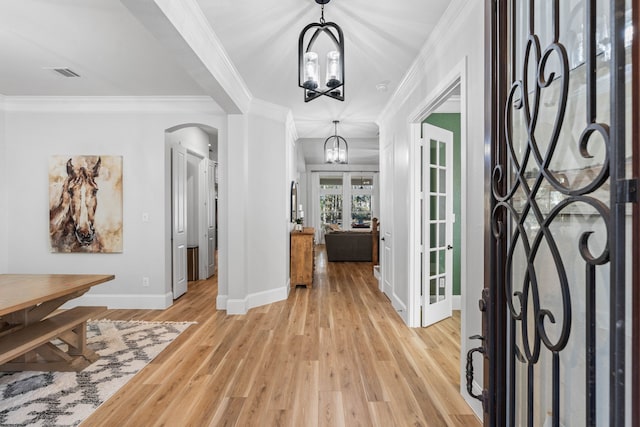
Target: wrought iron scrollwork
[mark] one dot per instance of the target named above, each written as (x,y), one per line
(516,186)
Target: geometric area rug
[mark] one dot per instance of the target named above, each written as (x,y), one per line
(67,398)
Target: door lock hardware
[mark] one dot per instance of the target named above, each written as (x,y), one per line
(469,372)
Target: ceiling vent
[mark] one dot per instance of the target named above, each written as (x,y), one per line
(66,72)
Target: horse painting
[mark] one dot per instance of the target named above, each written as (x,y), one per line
(72,215)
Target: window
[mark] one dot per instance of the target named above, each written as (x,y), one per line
(361,195)
(331,209)
(331,201)
(346,200)
(331,183)
(362,183)
(361,211)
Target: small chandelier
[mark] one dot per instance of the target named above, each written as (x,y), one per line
(336,150)
(308,65)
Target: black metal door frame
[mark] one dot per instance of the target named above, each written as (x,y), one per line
(493,327)
(498,59)
(635,106)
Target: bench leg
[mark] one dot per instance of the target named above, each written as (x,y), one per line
(29,357)
(49,357)
(76,339)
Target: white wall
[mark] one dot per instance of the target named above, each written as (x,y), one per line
(213,147)
(298,173)
(232,187)
(269,197)
(459,35)
(257,166)
(37,128)
(4,183)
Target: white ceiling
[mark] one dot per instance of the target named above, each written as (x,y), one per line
(115,55)
(98,39)
(382,38)
(362,151)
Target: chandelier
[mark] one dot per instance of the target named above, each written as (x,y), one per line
(309,61)
(336,150)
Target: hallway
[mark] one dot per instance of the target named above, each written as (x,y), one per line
(333,355)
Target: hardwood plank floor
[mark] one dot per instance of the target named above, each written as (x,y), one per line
(334,355)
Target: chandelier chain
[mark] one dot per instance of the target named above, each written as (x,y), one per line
(322,14)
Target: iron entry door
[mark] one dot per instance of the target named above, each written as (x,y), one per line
(560,196)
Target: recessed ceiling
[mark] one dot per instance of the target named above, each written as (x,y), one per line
(382,39)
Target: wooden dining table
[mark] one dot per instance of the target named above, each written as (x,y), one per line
(34,334)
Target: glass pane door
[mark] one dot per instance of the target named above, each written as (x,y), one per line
(331,202)
(437,229)
(361,201)
(562,145)
(331,209)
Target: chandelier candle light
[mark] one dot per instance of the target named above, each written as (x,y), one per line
(309,66)
(336,150)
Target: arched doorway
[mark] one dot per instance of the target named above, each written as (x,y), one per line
(193,150)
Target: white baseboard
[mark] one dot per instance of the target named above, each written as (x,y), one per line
(146,302)
(221,302)
(376,272)
(236,306)
(160,302)
(400,307)
(241,306)
(475,404)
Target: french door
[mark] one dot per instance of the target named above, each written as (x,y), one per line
(562,172)
(437,223)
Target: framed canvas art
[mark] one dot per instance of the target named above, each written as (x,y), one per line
(85,204)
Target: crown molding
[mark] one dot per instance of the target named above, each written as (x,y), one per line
(456,10)
(268,110)
(291,128)
(151,104)
(450,105)
(182,27)
(277,113)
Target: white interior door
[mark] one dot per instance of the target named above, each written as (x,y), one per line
(387,266)
(437,224)
(212,174)
(386,208)
(179,219)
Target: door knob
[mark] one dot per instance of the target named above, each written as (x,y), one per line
(449,247)
(382,239)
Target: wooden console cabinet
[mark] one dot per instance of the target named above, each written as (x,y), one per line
(302,257)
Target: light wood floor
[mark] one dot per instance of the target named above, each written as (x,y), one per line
(334,355)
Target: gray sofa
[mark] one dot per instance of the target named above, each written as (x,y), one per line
(348,246)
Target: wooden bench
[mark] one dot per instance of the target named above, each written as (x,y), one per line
(30,348)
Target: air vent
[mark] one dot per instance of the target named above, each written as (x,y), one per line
(67,72)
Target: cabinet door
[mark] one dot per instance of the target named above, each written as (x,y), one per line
(301,259)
